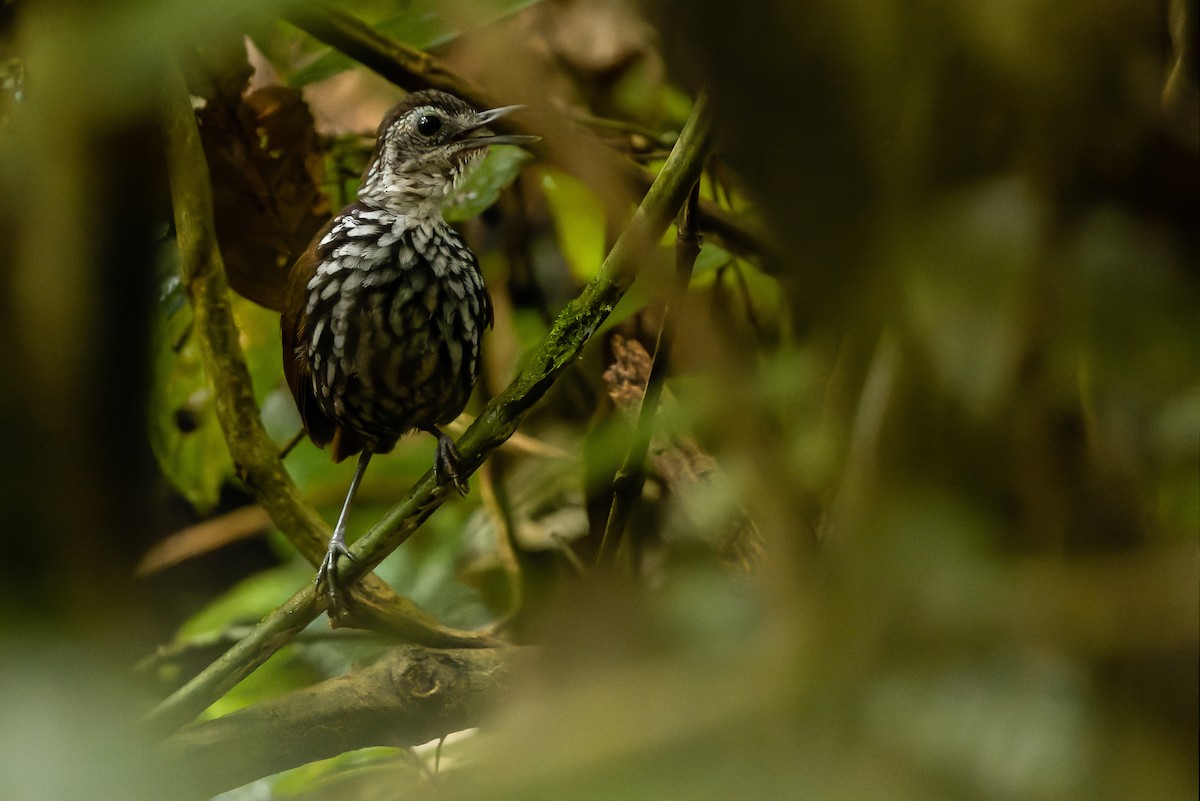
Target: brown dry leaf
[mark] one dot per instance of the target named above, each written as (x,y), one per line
(267,168)
(205,537)
(690,472)
(626,377)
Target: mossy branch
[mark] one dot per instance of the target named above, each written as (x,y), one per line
(574,327)
(409,696)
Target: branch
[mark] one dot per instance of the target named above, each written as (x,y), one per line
(627,485)
(255,456)
(492,492)
(410,696)
(574,327)
(567,145)
(209,644)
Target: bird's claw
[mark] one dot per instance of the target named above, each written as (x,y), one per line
(327,573)
(446,463)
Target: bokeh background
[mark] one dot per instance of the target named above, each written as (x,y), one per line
(943,393)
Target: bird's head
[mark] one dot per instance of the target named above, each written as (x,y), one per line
(424,146)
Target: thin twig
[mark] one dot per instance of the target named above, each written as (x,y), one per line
(748,303)
(518,443)
(664,140)
(564,547)
(411,754)
(184,649)
(575,326)
(291,444)
(627,485)
(505,546)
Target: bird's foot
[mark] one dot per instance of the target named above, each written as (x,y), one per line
(446,464)
(327,573)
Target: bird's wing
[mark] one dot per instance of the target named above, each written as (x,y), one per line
(319,427)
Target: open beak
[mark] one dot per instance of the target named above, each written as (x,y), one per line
(474,136)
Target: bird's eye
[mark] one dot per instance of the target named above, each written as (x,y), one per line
(429,124)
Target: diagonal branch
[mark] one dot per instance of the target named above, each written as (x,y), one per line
(567,145)
(255,456)
(574,327)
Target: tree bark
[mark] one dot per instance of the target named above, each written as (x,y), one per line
(410,696)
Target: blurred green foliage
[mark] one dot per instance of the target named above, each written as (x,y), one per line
(958,396)
(480,190)
(578,220)
(422,24)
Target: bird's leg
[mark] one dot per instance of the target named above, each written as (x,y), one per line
(446,461)
(327,572)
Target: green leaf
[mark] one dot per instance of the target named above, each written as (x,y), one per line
(285,671)
(345,161)
(354,774)
(710,258)
(184,433)
(426,569)
(171,297)
(579,218)
(183,428)
(261,346)
(248,600)
(482,186)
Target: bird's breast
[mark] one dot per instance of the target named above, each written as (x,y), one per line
(395,310)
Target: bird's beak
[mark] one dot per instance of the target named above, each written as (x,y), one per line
(474,136)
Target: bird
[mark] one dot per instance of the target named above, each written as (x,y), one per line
(385,311)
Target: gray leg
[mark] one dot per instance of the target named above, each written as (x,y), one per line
(327,572)
(446,462)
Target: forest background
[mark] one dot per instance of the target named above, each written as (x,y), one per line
(876,475)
